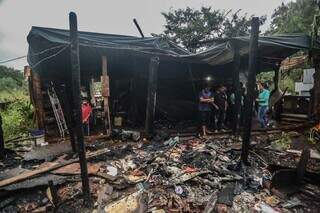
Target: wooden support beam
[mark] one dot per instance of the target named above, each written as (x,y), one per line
(75,67)
(152,95)
(50,167)
(138,27)
(316,64)
(92,92)
(38,99)
(236,86)
(106,94)
(54,193)
(1,140)
(276,79)
(248,108)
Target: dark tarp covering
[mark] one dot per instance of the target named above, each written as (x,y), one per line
(180,74)
(280,46)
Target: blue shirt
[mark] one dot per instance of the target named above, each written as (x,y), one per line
(264,97)
(205,106)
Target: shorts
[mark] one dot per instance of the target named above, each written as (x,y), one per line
(205,118)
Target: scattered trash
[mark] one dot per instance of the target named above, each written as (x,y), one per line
(125,135)
(265,208)
(113,171)
(135,202)
(172,175)
(172,141)
(178,190)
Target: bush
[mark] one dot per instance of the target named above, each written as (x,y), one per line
(17,119)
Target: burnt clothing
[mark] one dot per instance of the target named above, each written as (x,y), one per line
(205,106)
(220,99)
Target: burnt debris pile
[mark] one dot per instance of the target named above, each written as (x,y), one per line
(178,174)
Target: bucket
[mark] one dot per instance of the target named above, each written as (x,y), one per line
(38,136)
(118,121)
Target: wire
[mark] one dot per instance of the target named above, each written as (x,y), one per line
(46,50)
(13,59)
(33,54)
(49,57)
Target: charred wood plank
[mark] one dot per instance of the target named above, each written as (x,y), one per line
(51,167)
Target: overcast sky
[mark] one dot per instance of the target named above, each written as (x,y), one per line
(105,16)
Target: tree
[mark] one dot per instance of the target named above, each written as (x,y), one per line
(192,28)
(293,17)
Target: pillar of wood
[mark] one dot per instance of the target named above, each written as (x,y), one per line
(236,86)
(316,87)
(106,94)
(1,140)
(152,95)
(91,88)
(276,79)
(75,67)
(37,99)
(316,63)
(248,108)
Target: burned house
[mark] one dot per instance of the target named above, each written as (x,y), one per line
(126,62)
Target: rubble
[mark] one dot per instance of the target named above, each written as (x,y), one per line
(172,175)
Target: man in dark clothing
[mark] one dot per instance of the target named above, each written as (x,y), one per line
(221,101)
(205,109)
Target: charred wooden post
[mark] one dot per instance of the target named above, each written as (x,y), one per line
(236,86)
(276,78)
(75,67)
(248,108)
(38,99)
(302,166)
(138,27)
(27,75)
(1,140)
(106,94)
(316,63)
(152,94)
(54,193)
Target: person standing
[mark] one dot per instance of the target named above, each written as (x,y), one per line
(86,114)
(221,102)
(205,108)
(263,103)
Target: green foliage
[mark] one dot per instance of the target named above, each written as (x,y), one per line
(188,27)
(283,143)
(293,17)
(15,76)
(288,79)
(17,119)
(17,112)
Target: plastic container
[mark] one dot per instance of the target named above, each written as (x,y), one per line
(118,121)
(38,136)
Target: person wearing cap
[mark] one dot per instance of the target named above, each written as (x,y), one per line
(205,108)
